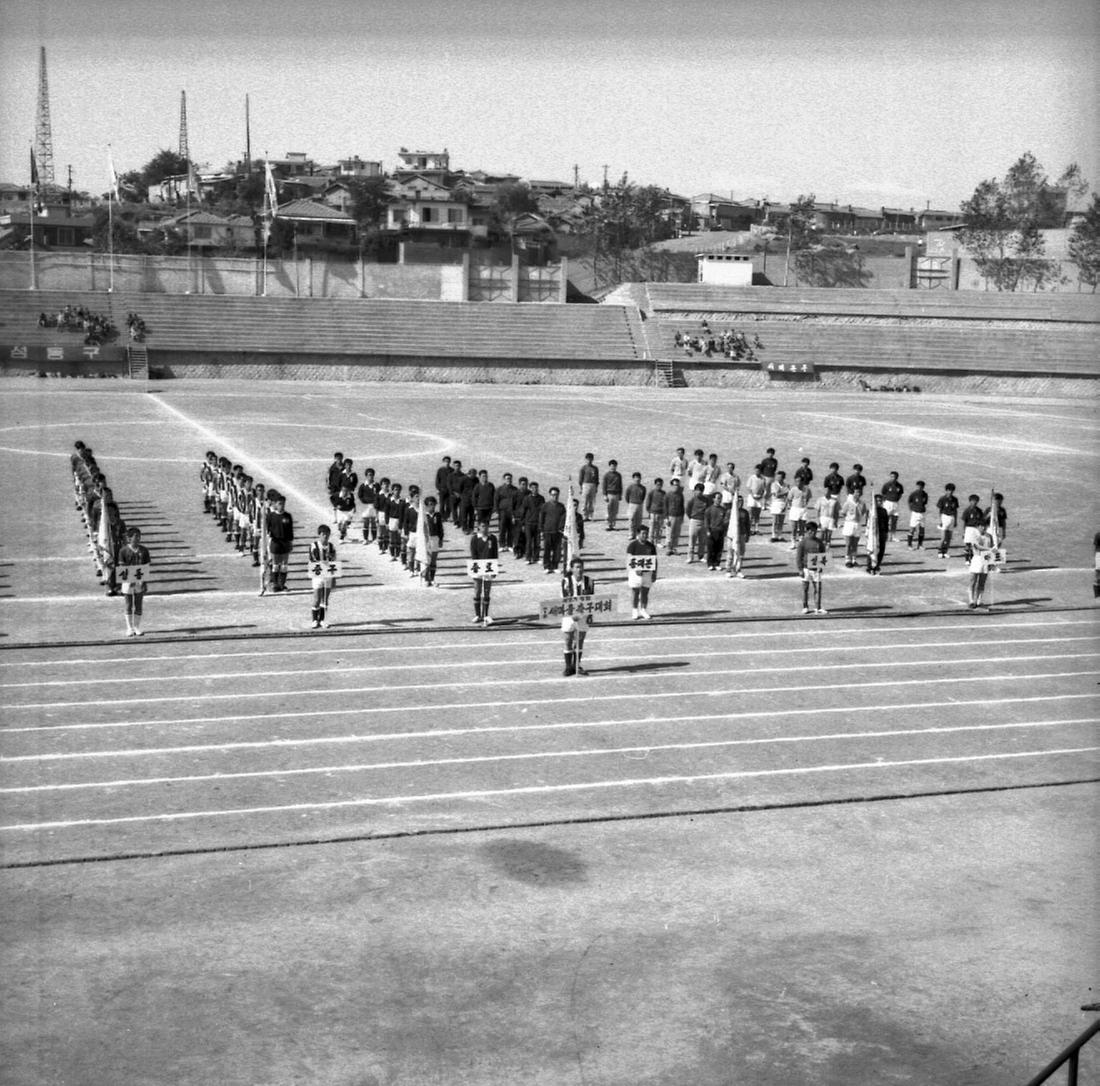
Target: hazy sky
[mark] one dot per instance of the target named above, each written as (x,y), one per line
(881,102)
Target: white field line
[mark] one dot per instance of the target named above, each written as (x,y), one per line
(479,661)
(258,470)
(393,688)
(643,751)
(539,789)
(637,634)
(496,729)
(523,703)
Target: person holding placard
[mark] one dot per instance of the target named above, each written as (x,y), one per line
(322,574)
(133,576)
(575,627)
(641,571)
(811,558)
(981,560)
(484,555)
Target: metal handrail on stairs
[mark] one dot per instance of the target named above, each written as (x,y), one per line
(1069,1056)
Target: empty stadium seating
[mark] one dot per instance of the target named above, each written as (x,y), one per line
(226,323)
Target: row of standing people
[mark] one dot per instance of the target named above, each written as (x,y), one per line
(121,559)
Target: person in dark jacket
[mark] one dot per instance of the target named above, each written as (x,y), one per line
(483,546)
(551,525)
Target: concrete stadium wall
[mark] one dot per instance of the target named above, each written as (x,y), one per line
(168,365)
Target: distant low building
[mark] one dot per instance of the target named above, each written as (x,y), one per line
(725,269)
(57,229)
(317,226)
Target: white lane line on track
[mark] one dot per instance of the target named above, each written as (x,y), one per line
(646,750)
(481,662)
(482,729)
(541,789)
(637,634)
(392,688)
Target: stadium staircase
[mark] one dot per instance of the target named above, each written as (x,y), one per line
(138,356)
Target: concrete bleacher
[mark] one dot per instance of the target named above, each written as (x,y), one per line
(343,327)
(913,331)
(838,301)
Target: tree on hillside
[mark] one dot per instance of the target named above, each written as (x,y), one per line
(1003,219)
(800,234)
(1084,245)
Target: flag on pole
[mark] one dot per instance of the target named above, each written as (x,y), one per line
(994,519)
(872,525)
(572,543)
(269,189)
(423,554)
(264,555)
(111,175)
(103,537)
(36,188)
(193,186)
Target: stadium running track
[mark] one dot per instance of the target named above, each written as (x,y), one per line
(161,748)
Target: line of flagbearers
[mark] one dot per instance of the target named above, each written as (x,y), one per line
(121,560)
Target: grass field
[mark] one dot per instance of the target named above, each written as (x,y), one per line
(751,847)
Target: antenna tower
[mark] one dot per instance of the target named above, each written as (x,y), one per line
(185,151)
(43,140)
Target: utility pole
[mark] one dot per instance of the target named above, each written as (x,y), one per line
(185,150)
(43,138)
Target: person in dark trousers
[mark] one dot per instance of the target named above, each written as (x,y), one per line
(443,486)
(280,540)
(892,490)
(483,545)
(434,527)
(457,476)
(519,510)
(504,503)
(948,506)
(575,627)
(484,497)
(612,492)
(466,510)
(589,479)
(551,525)
(532,508)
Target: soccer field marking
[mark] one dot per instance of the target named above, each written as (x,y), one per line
(240,456)
(392,688)
(599,752)
(637,634)
(539,789)
(488,729)
(479,661)
(948,437)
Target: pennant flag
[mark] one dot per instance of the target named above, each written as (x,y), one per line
(422,554)
(994,519)
(193,185)
(264,555)
(872,524)
(36,189)
(269,188)
(112,176)
(572,544)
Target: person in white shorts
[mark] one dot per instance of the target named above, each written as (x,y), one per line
(828,510)
(853,513)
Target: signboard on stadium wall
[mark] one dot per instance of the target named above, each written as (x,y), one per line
(69,360)
(69,352)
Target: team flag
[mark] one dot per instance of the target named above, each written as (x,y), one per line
(103,537)
(572,543)
(111,175)
(994,519)
(36,194)
(264,555)
(872,524)
(269,188)
(422,554)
